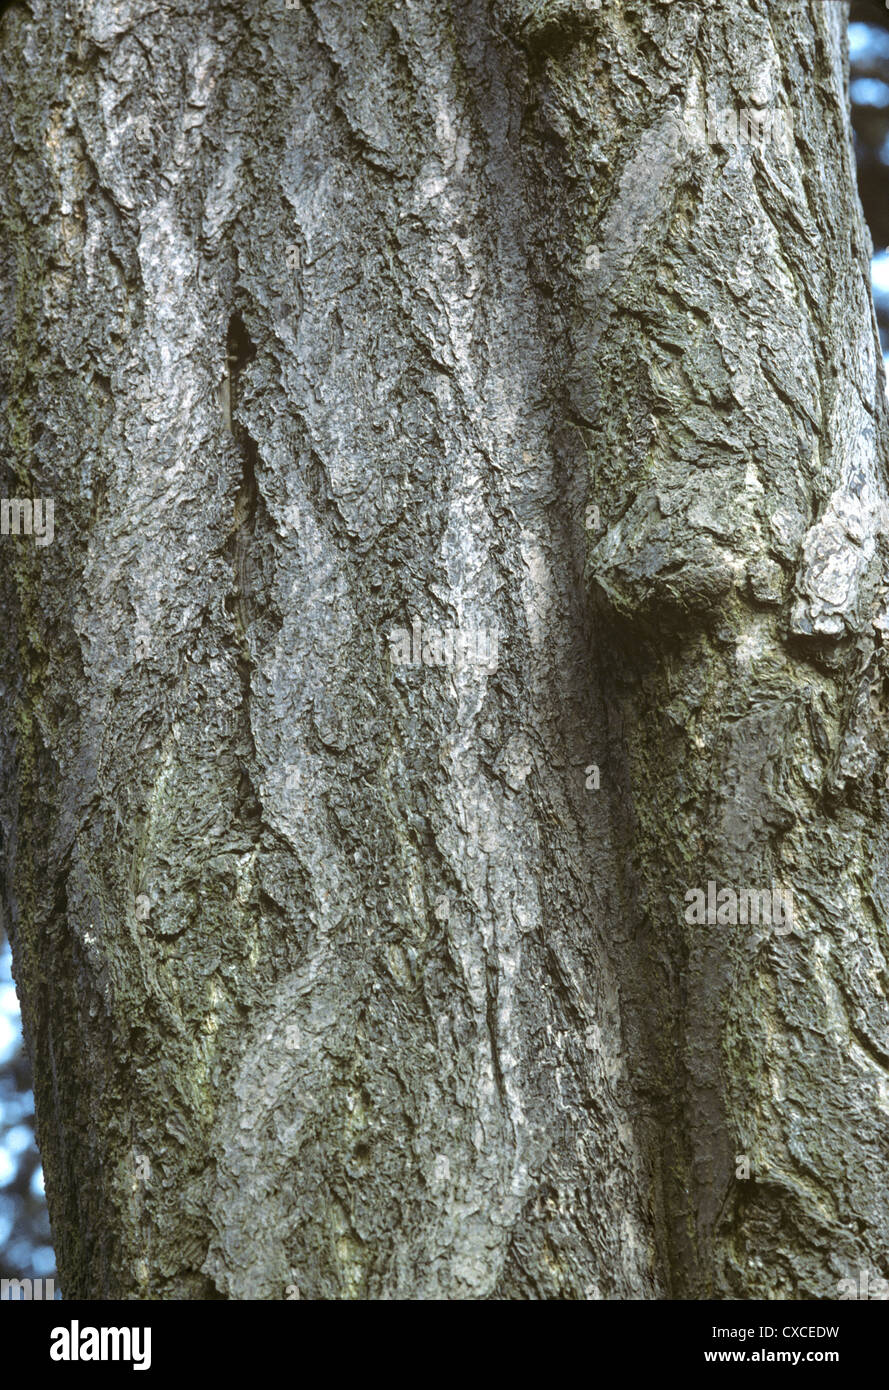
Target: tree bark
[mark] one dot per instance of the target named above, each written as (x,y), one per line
(333,325)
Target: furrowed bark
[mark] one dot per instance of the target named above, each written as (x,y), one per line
(728,374)
(332,327)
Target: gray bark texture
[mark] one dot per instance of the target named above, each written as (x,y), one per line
(339,974)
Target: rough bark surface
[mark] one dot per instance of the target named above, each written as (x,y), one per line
(336,972)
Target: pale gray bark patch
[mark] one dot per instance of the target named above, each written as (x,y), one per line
(305,341)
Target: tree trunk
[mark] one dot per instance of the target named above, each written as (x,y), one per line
(468,457)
